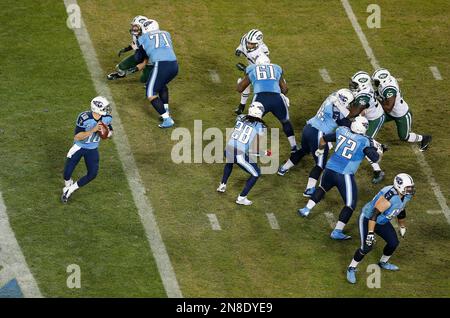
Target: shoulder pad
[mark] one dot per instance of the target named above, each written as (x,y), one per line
(82,118)
(390,194)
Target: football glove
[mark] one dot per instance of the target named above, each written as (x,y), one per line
(132,70)
(240,67)
(319,152)
(402,231)
(125,49)
(238,52)
(370,239)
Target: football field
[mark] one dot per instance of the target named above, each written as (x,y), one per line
(263,250)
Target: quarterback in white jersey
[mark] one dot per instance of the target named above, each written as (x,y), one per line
(366,101)
(395,107)
(251,47)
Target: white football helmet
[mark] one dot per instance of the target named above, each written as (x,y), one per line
(404,184)
(360,125)
(100,105)
(256,109)
(262,59)
(150,26)
(344,97)
(253,39)
(360,81)
(381,76)
(137,25)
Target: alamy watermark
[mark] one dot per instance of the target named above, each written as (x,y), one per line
(73,16)
(74,278)
(374,19)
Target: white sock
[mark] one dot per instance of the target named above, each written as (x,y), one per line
(414,137)
(311,183)
(353,263)
(292,141)
(375,167)
(68,183)
(73,188)
(384,258)
(311,204)
(166,107)
(288,165)
(165,115)
(244,95)
(339,225)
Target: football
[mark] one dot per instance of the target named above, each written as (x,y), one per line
(103,131)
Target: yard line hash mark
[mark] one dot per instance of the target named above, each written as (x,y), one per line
(215,225)
(120,139)
(331,219)
(273,221)
(419,155)
(325,76)
(435,71)
(215,78)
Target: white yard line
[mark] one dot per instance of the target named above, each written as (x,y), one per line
(273,221)
(12,260)
(331,219)
(215,225)
(435,71)
(434,212)
(420,157)
(215,78)
(143,204)
(325,76)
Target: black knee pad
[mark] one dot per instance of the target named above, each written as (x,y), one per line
(315,172)
(346,214)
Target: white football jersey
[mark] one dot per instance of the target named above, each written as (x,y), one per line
(374,109)
(390,89)
(252,55)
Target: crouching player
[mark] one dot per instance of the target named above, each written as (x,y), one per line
(244,143)
(376,215)
(352,145)
(85,145)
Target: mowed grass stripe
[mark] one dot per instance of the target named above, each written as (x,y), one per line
(45,86)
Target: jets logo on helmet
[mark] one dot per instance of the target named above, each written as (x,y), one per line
(100,105)
(381,76)
(150,26)
(360,125)
(404,184)
(360,81)
(256,109)
(253,39)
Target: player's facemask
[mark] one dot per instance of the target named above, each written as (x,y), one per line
(251,46)
(353,85)
(411,190)
(135,30)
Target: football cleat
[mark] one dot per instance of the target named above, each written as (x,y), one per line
(65,196)
(304,212)
(114,75)
(339,235)
(309,192)
(222,188)
(388,266)
(281,171)
(240,109)
(378,176)
(351,275)
(167,123)
(426,140)
(243,201)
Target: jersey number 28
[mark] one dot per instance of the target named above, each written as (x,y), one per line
(347,151)
(242,132)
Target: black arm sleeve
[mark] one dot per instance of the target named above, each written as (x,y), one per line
(79,129)
(329,137)
(375,214)
(344,122)
(128,48)
(140,55)
(371,153)
(110,127)
(402,215)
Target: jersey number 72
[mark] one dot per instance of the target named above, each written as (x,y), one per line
(347,151)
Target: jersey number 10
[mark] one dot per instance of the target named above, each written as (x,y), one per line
(347,151)
(160,40)
(264,72)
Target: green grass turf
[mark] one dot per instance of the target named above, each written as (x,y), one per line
(246,258)
(45,85)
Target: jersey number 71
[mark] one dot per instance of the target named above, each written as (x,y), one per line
(160,40)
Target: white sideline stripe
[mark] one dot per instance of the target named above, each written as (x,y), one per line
(419,155)
(143,204)
(215,225)
(435,71)
(273,221)
(12,259)
(325,76)
(434,212)
(331,219)
(215,78)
